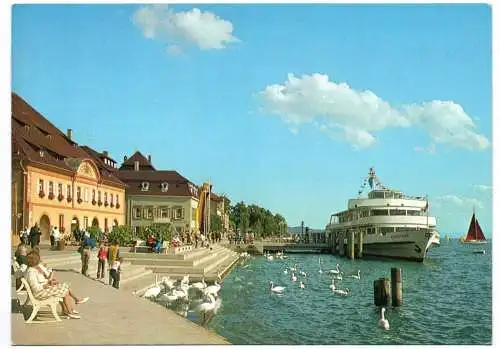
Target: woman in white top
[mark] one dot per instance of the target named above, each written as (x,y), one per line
(44,286)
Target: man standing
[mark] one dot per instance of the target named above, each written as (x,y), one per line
(34,236)
(57,236)
(23,234)
(87,244)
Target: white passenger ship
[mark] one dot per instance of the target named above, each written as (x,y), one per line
(387,223)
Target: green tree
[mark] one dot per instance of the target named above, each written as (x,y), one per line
(215,222)
(121,234)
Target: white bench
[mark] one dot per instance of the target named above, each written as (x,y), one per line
(50,302)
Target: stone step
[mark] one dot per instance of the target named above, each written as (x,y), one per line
(137,276)
(138,260)
(208,260)
(184,256)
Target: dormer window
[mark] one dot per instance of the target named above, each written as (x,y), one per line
(164,186)
(145,186)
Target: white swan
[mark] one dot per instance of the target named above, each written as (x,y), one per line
(209,307)
(302,285)
(199,285)
(168,282)
(169,298)
(294,278)
(276,289)
(383,322)
(303,273)
(342,292)
(339,276)
(335,271)
(213,289)
(332,285)
(270,257)
(153,291)
(285,271)
(358,277)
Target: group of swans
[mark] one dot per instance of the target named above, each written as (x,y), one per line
(279,255)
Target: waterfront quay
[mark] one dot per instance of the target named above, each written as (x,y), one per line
(113,317)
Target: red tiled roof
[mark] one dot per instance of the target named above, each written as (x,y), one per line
(143,163)
(177,184)
(36,140)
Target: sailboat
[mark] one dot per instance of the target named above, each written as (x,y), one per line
(475,234)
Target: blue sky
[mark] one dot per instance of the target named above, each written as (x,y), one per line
(286,106)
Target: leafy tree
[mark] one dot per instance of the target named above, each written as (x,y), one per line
(121,234)
(95,233)
(215,222)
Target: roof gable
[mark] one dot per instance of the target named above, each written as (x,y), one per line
(144,164)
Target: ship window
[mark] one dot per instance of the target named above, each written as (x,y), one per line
(377,194)
(397,212)
(379,213)
(387,230)
(413,213)
(370,230)
(389,195)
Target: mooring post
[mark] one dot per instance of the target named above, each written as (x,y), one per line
(360,244)
(351,245)
(381,292)
(334,238)
(341,244)
(397,287)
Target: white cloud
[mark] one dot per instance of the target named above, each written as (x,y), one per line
(431,149)
(461,201)
(203,29)
(355,116)
(482,187)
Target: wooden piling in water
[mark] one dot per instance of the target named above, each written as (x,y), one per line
(341,244)
(360,245)
(397,287)
(334,241)
(351,245)
(381,292)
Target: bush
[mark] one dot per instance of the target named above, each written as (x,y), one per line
(95,233)
(121,234)
(162,231)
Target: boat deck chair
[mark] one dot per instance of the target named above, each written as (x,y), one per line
(37,304)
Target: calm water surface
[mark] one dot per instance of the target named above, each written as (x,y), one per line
(446,300)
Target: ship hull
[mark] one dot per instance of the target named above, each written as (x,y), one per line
(409,246)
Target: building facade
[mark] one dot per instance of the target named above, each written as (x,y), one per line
(217,207)
(55,182)
(154,196)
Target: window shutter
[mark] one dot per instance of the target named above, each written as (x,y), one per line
(182,214)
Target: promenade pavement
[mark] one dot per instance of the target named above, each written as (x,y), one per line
(111,317)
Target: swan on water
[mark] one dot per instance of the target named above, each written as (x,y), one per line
(303,273)
(270,257)
(335,271)
(356,276)
(285,271)
(208,308)
(339,276)
(276,289)
(332,285)
(213,289)
(342,292)
(383,322)
(294,278)
(302,285)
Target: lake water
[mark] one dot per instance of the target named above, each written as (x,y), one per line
(447,299)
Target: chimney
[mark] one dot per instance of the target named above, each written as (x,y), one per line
(105,153)
(149,159)
(125,158)
(69,133)
(136,166)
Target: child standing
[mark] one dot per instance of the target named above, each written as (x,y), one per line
(102,256)
(115,271)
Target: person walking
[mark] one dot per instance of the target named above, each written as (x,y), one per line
(113,255)
(87,244)
(114,272)
(102,256)
(23,234)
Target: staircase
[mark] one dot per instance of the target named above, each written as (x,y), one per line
(141,270)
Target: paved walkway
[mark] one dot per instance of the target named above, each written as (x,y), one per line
(110,317)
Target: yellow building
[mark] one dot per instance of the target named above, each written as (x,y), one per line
(55,182)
